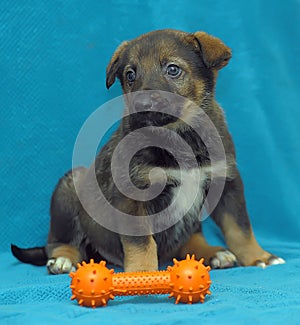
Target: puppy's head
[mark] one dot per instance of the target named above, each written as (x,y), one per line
(171,61)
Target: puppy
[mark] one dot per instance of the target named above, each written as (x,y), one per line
(82,223)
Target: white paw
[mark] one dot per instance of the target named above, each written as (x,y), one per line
(273,260)
(276,260)
(60,265)
(223,259)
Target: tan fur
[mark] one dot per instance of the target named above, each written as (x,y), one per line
(198,245)
(242,244)
(111,68)
(139,256)
(67,251)
(216,53)
(190,109)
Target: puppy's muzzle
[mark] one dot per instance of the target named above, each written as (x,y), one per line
(149,101)
(151,108)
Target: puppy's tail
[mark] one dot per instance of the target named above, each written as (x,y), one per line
(35,255)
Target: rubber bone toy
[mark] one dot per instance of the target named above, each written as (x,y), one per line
(94,284)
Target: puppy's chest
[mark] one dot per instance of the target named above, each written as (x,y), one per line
(187,196)
(184,208)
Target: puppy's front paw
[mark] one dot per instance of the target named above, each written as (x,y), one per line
(60,265)
(265,261)
(223,259)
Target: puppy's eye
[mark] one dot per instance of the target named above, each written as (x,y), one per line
(173,70)
(130,75)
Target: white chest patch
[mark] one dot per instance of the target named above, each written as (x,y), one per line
(188,195)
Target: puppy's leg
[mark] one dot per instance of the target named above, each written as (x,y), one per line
(231,216)
(62,259)
(215,256)
(140,253)
(65,236)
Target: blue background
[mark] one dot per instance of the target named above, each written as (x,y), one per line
(52,68)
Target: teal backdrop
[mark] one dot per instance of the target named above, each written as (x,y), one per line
(52,68)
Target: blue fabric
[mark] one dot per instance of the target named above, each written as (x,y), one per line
(53,59)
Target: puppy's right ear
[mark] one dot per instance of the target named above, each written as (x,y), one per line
(114,64)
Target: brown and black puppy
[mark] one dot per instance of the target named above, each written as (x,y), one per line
(183,64)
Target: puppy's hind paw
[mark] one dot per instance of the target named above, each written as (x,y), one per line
(60,265)
(272,260)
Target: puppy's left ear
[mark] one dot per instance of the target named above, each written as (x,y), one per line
(214,52)
(114,64)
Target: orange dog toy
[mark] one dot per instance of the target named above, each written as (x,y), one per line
(94,284)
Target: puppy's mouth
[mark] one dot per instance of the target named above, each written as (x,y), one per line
(148,118)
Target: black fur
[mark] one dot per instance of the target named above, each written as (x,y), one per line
(36,256)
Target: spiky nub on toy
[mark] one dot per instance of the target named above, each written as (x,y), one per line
(93,284)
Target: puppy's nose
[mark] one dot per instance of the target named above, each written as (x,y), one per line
(143,102)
